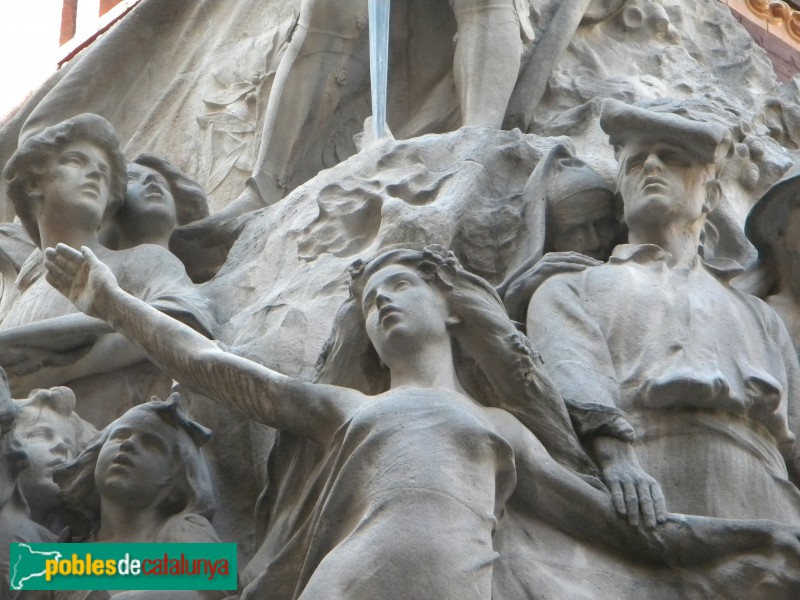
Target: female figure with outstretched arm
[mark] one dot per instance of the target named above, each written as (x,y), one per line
(419,468)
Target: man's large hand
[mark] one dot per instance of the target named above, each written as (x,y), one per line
(636,495)
(80,276)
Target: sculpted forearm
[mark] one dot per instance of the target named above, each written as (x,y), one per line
(186,355)
(241,384)
(590,514)
(260,393)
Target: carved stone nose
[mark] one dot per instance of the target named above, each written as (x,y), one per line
(381,300)
(652,162)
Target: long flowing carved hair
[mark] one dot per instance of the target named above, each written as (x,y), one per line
(191,491)
(496,364)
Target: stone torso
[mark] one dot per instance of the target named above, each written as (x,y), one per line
(703,372)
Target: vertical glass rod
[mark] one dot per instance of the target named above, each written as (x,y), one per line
(379,63)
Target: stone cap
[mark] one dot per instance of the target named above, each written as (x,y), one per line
(772,210)
(704,142)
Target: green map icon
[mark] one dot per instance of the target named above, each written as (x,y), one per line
(28,564)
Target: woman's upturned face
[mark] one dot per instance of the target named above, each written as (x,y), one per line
(135,463)
(149,194)
(402,311)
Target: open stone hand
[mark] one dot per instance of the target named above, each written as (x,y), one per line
(80,276)
(636,495)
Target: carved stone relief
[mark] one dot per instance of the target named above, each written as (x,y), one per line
(463,360)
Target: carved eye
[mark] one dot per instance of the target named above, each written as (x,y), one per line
(153,443)
(635,164)
(41,433)
(673,157)
(119,435)
(668,155)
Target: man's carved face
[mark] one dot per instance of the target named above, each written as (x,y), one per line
(585,223)
(659,182)
(76,181)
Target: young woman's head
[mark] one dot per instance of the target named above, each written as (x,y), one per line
(495,363)
(159,198)
(32,173)
(148,458)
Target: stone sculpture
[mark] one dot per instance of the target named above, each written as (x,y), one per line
(158,198)
(571,214)
(772,227)
(712,426)
(212,86)
(143,479)
(65,182)
(16,524)
(8,410)
(15,247)
(52,434)
(381,494)
(322,61)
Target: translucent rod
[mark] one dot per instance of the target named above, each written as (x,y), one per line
(379,63)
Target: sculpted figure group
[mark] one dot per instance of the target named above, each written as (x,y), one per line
(66,183)
(648,413)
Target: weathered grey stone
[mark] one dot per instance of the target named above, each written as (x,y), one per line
(65,182)
(233,90)
(16,524)
(772,227)
(713,426)
(52,434)
(413,321)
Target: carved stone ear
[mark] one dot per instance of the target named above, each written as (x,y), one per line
(713,195)
(33,191)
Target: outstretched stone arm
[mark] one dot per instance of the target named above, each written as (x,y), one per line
(559,497)
(310,410)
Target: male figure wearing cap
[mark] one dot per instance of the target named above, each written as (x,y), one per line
(65,182)
(773,226)
(684,383)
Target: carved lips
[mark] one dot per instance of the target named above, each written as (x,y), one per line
(91,186)
(123,459)
(387,311)
(654,181)
(153,190)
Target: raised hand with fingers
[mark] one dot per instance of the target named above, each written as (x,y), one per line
(80,276)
